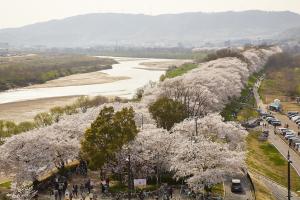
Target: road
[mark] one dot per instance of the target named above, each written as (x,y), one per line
(279,192)
(247,190)
(281,146)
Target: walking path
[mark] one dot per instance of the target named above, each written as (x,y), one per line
(281,146)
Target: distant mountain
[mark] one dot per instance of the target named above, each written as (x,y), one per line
(291,34)
(168,29)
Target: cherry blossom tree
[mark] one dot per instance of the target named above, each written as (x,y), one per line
(202,159)
(202,162)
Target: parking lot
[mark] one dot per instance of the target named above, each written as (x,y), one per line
(277,140)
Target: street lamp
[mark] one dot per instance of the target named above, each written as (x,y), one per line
(142,121)
(129,176)
(289,176)
(196,125)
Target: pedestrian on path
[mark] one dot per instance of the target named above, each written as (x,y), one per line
(75,190)
(81,189)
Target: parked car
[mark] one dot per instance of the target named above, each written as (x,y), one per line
(283,129)
(236,186)
(269,119)
(295,118)
(292,112)
(294,141)
(293,115)
(276,123)
(268,115)
(288,136)
(284,132)
(290,132)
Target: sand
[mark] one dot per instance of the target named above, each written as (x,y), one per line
(162,65)
(80,79)
(26,110)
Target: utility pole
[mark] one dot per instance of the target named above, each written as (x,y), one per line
(289,176)
(196,125)
(142,121)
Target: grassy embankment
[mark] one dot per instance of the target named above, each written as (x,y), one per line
(261,191)
(282,81)
(178,71)
(4,189)
(37,69)
(264,159)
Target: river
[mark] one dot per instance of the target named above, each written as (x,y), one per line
(124,88)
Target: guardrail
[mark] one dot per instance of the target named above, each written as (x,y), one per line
(252,185)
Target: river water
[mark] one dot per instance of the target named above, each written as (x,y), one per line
(123,88)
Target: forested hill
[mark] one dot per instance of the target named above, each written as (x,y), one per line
(168,29)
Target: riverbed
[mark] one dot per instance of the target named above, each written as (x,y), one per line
(127,67)
(24,103)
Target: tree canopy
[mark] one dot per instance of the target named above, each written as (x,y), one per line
(167,112)
(107,134)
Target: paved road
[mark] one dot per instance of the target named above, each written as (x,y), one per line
(281,146)
(245,195)
(279,192)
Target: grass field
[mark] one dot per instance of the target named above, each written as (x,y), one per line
(218,189)
(274,87)
(264,158)
(5,185)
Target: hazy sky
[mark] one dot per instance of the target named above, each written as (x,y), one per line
(21,12)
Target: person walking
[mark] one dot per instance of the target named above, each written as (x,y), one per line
(107,181)
(81,189)
(55,194)
(67,195)
(75,190)
(170,190)
(88,185)
(103,186)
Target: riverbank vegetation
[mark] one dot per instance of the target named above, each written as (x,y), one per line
(37,69)
(145,52)
(9,128)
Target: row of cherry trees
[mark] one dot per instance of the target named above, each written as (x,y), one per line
(200,157)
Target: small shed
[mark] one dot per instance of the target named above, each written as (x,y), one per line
(275,106)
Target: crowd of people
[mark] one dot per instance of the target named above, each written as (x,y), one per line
(61,191)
